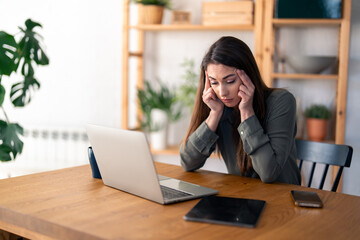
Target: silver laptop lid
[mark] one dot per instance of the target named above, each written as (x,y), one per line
(123,160)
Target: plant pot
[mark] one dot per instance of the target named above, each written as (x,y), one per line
(159,124)
(316,129)
(150,14)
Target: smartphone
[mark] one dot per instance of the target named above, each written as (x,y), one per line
(306,199)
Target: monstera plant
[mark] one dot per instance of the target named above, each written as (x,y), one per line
(18,57)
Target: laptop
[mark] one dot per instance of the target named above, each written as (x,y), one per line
(125,163)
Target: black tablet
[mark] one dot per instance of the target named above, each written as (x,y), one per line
(225,210)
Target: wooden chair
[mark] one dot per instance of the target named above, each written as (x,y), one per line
(325,153)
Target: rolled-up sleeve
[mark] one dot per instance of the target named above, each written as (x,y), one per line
(270,150)
(198,148)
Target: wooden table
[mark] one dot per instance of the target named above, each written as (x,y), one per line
(70,204)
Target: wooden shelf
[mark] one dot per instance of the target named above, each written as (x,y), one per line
(186,27)
(304,76)
(305,22)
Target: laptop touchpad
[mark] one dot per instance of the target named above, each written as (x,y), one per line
(180,185)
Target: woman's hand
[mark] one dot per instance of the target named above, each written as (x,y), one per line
(214,103)
(246,93)
(210,99)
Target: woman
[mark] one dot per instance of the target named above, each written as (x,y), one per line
(253,126)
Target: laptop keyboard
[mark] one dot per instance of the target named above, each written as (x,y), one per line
(170,193)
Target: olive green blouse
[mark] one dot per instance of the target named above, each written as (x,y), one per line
(271,148)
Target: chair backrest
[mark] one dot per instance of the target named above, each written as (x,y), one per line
(325,153)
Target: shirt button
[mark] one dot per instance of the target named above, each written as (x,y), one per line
(241,132)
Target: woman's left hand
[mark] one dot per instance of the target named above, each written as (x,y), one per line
(246,93)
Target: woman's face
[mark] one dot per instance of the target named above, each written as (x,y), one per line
(225,82)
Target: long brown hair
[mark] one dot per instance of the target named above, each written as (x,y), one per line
(231,52)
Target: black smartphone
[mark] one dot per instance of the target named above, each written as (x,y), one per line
(306,199)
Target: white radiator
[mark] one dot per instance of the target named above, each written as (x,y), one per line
(48,148)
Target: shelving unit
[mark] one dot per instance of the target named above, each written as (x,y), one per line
(343,24)
(271,24)
(142,28)
(264,36)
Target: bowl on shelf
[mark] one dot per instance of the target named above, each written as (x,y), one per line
(310,64)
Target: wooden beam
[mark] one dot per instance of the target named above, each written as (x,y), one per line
(344,41)
(140,72)
(268,43)
(258,23)
(125,66)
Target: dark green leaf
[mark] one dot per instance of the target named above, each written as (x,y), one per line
(9,134)
(21,92)
(27,69)
(30,49)
(5,153)
(41,58)
(8,53)
(30,24)
(318,111)
(164,3)
(2,94)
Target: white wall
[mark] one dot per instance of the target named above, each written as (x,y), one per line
(83,41)
(83,81)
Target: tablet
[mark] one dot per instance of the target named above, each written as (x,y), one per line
(225,210)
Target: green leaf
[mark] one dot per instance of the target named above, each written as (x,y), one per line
(164,3)
(21,92)
(9,134)
(2,94)
(318,111)
(187,91)
(5,153)
(40,57)
(8,53)
(30,49)
(27,69)
(162,98)
(30,24)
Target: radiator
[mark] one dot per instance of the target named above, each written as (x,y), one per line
(48,148)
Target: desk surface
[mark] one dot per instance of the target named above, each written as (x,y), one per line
(70,204)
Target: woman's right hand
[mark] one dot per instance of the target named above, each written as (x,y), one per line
(210,99)
(214,103)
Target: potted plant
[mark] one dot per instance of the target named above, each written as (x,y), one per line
(317,118)
(20,57)
(159,108)
(151,11)
(187,91)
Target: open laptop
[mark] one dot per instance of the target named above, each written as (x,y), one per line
(125,163)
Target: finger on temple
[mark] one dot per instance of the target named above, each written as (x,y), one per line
(207,82)
(239,74)
(245,78)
